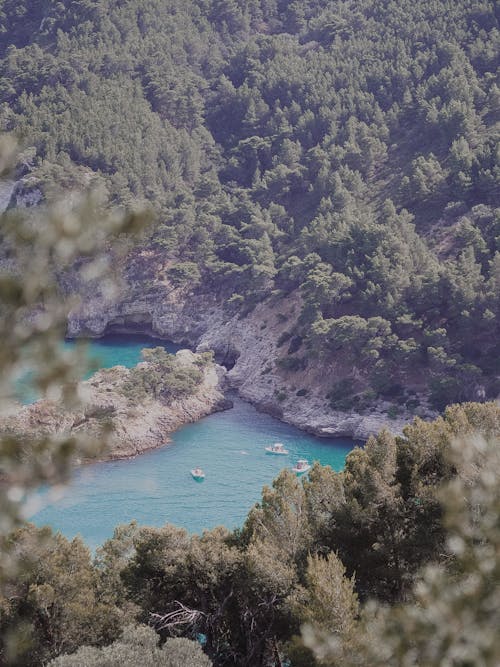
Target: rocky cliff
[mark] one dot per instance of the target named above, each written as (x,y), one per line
(247,345)
(250,345)
(109,405)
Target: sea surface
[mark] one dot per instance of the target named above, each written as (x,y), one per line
(121,350)
(106,352)
(156,487)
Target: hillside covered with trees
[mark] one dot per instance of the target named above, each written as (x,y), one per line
(343,151)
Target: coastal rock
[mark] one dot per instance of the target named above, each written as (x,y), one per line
(346,424)
(254,348)
(248,348)
(134,427)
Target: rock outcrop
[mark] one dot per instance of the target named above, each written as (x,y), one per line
(132,426)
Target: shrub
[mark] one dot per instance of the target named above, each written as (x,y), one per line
(393,412)
(295,345)
(281,394)
(165,377)
(204,358)
(340,395)
(292,363)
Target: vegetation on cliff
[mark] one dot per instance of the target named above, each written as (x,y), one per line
(163,377)
(124,411)
(348,152)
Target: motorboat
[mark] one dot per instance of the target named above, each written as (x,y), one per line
(198,474)
(277,448)
(301,466)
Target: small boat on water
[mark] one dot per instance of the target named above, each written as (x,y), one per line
(301,466)
(277,448)
(197,474)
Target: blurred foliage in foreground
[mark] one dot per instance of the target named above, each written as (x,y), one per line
(453,615)
(138,646)
(393,561)
(35,248)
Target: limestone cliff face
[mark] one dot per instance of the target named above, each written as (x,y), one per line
(248,346)
(135,426)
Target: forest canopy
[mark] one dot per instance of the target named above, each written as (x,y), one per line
(346,150)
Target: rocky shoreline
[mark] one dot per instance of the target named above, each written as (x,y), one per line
(130,428)
(248,347)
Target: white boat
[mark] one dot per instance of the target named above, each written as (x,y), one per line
(301,467)
(197,474)
(277,448)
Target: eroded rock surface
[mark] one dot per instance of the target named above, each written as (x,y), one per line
(135,426)
(248,346)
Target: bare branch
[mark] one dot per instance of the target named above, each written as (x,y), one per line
(182,615)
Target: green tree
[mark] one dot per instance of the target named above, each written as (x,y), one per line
(328,600)
(453,616)
(52,601)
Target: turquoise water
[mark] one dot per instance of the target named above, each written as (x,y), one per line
(119,350)
(112,350)
(157,487)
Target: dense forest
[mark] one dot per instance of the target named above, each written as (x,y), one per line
(341,552)
(345,151)
(343,154)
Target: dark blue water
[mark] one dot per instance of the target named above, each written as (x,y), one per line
(157,487)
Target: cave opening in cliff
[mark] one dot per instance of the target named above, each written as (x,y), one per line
(227,357)
(131,325)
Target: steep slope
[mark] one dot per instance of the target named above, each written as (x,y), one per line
(339,157)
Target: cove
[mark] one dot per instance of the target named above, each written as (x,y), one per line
(157,488)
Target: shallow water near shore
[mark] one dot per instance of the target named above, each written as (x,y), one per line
(157,488)
(120,350)
(106,352)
